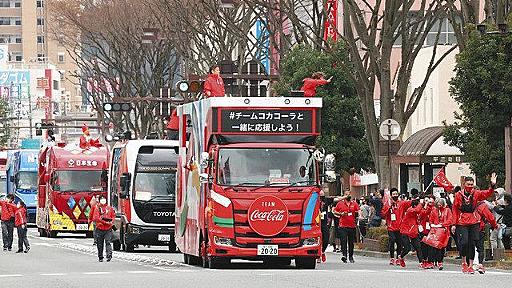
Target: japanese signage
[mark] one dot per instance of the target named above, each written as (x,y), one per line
(331,23)
(82,163)
(266,121)
(14,77)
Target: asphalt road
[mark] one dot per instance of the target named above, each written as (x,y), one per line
(70,261)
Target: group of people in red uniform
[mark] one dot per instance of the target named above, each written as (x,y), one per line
(426,223)
(14,215)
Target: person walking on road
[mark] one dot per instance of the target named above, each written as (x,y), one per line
(20,222)
(324,222)
(468,220)
(364,217)
(392,212)
(94,204)
(487,217)
(440,218)
(8,208)
(104,217)
(346,210)
(214,85)
(409,231)
(506,212)
(310,84)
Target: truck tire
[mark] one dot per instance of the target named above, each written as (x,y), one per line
(89,234)
(172,247)
(116,245)
(129,248)
(52,234)
(186,259)
(276,262)
(305,262)
(218,262)
(42,232)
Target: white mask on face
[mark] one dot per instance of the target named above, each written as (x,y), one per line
(103,201)
(18,205)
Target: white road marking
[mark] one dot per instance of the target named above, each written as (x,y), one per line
(53,274)
(497,273)
(96,273)
(141,272)
(10,275)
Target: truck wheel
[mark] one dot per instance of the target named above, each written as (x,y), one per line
(42,232)
(52,234)
(116,245)
(89,235)
(129,247)
(218,262)
(305,262)
(273,262)
(186,259)
(172,247)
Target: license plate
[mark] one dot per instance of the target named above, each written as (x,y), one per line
(164,238)
(82,227)
(268,250)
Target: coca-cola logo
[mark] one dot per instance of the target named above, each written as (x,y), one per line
(268,216)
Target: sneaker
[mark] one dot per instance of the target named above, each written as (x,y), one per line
(19,251)
(26,250)
(471,270)
(9,249)
(108,259)
(344,259)
(323,257)
(101,259)
(351,260)
(481,269)
(465,268)
(318,260)
(401,262)
(423,265)
(397,262)
(440,265)
(392,261)
(5,249)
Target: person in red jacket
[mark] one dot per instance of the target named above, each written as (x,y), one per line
(440,217)
(487,217)
(94,205)
(214,85)
(21,225)
(424,229)
(173,126)
(346,210)
(8,208)
(467,219)
(392,211)
(104,217)
(310,84)
(409,231)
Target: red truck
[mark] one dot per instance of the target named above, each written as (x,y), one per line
(68,177)
(248,182)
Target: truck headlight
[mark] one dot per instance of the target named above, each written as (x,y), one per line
(57,222)
(311,241)
(222,241)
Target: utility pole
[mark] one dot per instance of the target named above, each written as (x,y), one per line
(30,112)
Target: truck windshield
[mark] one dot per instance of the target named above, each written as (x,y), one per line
(27,180)
(78,181)
(276,167)
(150,185)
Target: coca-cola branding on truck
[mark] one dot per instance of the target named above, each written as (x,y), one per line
(268,216)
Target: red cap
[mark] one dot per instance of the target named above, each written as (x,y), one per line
(84,128)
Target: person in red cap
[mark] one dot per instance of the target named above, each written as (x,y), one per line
(173,126)
(85,140)
(214,85)
(310,84)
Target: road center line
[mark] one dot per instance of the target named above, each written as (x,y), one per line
(96,273)
(10,275)
(52,274)
(141,272)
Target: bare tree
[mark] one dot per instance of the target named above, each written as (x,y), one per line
(105,39)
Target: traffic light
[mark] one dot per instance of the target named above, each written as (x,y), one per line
(193,86)
(117,107)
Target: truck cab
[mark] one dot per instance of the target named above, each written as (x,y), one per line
(142,187)
(22,170)
(248,181)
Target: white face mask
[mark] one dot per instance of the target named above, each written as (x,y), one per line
(18,205)
(103,201)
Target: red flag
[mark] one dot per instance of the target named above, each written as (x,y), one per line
(442,181)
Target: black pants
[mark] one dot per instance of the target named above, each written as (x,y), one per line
(95,233)
(362,228)
(407,242)
(506,242)
(325,236)
(467,237)
(395,238)
(435,255)
(22,238)
(104,238)
(347,237)
(7,233)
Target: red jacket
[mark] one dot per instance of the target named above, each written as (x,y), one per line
(173,123)
(104,216)
(215,85)
(351,208)
(423,218)
(20,217)
(409,225)
(91,213)
(486,215)
(469,218)
(442,216)
(8,210)
(397,209)
(310,85)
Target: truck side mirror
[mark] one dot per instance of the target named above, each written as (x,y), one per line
(124,182)
(205,158)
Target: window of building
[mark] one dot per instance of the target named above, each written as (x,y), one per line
(55,85)
(16,56)
(5,3)
(17,4)
(40,39)
(17,39)
(40,21)
(446,35)
(5,21)
(39,4)
(60,57)
(17,21)
(41,57)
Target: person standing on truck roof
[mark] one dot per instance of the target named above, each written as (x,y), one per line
(346,210)
(7,210)
(94,205)
(310,84)
(214,85)
(21,226)
(104,217)
(173,126)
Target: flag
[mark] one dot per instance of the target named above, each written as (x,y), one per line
(442,181)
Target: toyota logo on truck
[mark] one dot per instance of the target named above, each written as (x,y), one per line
(268,216)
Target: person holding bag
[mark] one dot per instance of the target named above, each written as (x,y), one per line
(441,220)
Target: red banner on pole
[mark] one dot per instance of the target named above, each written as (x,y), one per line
(442,181)
(331,23)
